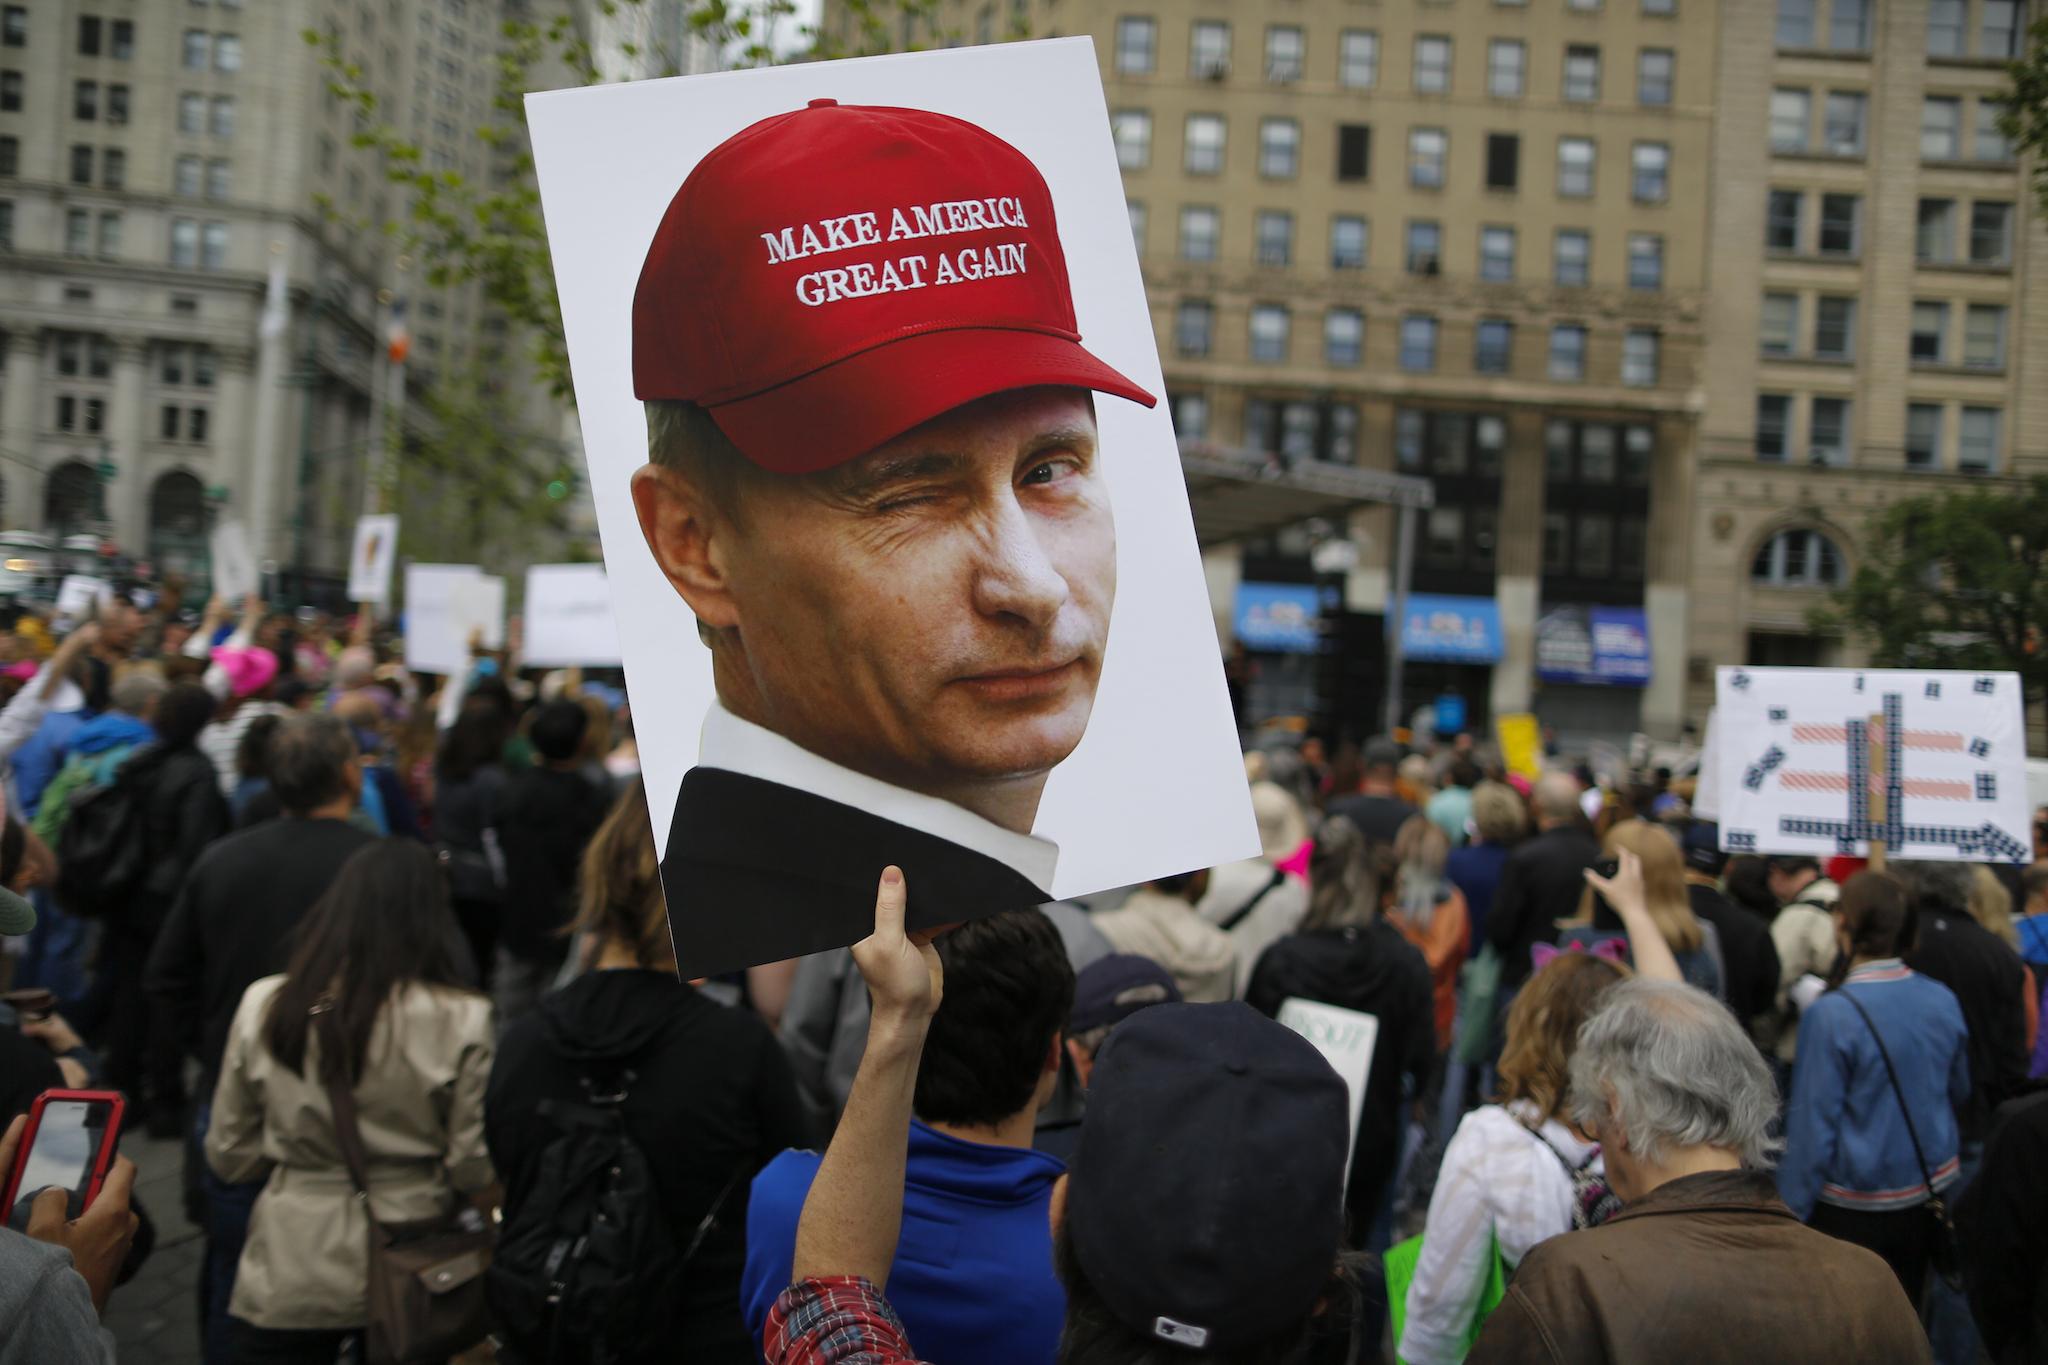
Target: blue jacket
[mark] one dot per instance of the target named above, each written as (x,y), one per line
(973,1278)
(39,758)
(1846,1141)
(110,730)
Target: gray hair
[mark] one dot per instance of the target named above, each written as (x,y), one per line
(309,760)
(1557,795)
(1668,1066)
(1937,886)
(135,689)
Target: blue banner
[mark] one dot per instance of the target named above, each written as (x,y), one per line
(1459,630)
(1602,646)
(1279,618)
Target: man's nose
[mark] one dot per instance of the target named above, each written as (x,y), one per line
(1014,576)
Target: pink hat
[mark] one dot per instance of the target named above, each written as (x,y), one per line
(249,670)
(23,669)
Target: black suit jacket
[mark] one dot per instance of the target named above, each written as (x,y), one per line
(756,871)
(1540,883)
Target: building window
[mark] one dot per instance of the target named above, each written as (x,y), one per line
(1575,167)
(6,225)
(1209,50)
(1275,236)
(1269,332)
(1795,23)
(1773,426)
(1654,69)
(1842,123)
(10,155)
(1354,152)
(1427,148)
(1572,255)
(81,165)
(1493,345)
(1131,129)
(117,104)
(1358,59)
(227,53)
(1203,154)
(1193,325)
(1432,65)
(1343,336)
(121,40)
(217,179)
(77,232)
(1934,231)
(1984,336)
(167,424)
(88,36)
(13,26)
(1840,224)
(1660,7)
(1797,559)
(198,49)
(1645,260)
(1827,436)
(1279,148)
(1582,73)
(1923,435)
(1347,242)
(221,116)
(1191,416)
(1977,441)
(10,92)
(185,175)
(1998,35)
(1497,254)
(1418,343)
(1593,545)
(1639,357)
(1443,537)
(1929,338)
(1834,328)
(85,100)
(114,168)
(1135,209)
(1651,167)
(1781,220)
(213,246)
(192,114)
(1137,46)
(1567,352)
(1945,20)
(1990,233)
(1425,246)
(1791,117)
(1778,324)
(1201,229)
(1991,143)
(1849,25)
(1506,61)
(1503,160)
(1283,54)
(1941,128)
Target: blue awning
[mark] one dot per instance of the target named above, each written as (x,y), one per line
(1459,630)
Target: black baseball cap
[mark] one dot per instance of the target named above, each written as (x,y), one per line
(1703,848)
(1206,1197)
(1111,989)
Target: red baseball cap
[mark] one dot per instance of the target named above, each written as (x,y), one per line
(831,277)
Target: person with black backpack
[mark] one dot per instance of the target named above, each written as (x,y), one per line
(627,1115)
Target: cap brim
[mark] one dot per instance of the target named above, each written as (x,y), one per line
(843,411)
(17,916)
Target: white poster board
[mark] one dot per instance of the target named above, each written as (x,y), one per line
(781,299)
(1796,771)
(1346,1038)
(443,604)
(234,567)
(1706,791)
(568,617)
(371,559)
(79,595)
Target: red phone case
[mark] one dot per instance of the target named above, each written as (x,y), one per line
(102,1160)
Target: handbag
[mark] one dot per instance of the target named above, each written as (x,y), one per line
(426,1287)
(1399,1262)
(1944,1255)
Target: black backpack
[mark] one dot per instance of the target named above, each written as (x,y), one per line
(585,1268)
(102,859)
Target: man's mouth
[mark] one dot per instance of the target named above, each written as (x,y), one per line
(1023,684)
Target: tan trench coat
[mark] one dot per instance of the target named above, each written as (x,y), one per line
(421,1102)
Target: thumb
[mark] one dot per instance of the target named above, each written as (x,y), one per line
(890,899)
(48,1215)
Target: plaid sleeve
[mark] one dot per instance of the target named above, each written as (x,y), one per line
(839,1321)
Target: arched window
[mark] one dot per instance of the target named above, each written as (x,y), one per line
(177,523)
(71,496)
(1798,559)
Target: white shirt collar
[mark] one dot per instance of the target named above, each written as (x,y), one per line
(740,746)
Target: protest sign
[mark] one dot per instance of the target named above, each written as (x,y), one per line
(1706,792)
(1346,1039)
(370,561)
(79,595)
(234,567)
(444,603)
(1521,743)
(920,657)
(1929,765)
(568,617)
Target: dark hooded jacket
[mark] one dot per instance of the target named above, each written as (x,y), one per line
(710,1100)
(1375,971)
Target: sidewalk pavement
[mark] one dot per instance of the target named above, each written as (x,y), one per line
(155,1316)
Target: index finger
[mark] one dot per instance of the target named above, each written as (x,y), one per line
(890,898)
(8,1144)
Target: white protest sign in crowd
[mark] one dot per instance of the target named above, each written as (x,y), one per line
(234,567)
(1346,1038)
(568,617)
(1822,761)
(371,560)
(445,604)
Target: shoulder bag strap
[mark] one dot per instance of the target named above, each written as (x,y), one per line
(1562,1160)
(348,1135)
(1237,916)
(1898,1093)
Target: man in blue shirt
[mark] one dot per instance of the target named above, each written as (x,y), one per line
(973,1276)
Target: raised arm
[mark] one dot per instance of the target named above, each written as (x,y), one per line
(1624,891)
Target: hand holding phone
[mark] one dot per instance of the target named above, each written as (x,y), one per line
(98,1239)
(70,1145)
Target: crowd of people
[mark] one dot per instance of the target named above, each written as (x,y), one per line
(390,952)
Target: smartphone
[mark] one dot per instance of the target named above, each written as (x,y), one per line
(32,1002)
(70,1143)
(1606,867)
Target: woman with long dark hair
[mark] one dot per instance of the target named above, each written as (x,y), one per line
(373,999)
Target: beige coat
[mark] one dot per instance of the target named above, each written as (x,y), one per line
(421,1102)
(1201,957)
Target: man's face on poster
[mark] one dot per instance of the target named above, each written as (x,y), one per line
(935,612)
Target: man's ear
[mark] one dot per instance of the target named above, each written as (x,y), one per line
(1056,1051)
(688,540)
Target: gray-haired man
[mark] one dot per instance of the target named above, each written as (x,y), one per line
(1704,1263)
